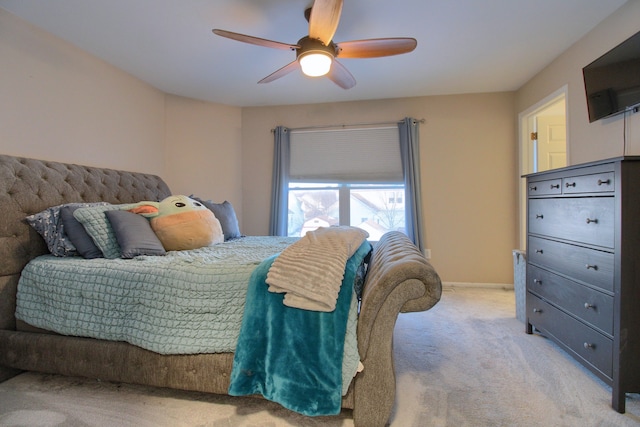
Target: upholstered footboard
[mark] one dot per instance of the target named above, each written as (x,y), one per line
(400,279)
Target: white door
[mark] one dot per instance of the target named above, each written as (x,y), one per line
(548,120)
(551,147)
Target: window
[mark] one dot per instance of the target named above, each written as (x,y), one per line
(346,177)
(395,198)
(373,207)
(349,163)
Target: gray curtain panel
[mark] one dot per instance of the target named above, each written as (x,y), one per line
(410,153)
(280,182)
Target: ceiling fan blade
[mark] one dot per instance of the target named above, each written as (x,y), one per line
(324,19)
(341,76)
(292,66)
(375,48)
(255,40)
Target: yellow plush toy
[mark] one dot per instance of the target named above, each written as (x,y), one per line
(182,223)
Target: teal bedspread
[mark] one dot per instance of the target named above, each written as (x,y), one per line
(186,302)
(293,356)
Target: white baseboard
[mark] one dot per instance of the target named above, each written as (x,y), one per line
(506,286)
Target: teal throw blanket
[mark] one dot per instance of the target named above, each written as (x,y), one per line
(289,355)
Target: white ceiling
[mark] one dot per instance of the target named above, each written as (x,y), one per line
(464,46)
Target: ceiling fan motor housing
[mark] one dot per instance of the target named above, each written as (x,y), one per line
(309,45)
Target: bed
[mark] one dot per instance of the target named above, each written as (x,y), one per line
(398,279)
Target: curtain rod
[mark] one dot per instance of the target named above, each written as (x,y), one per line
(349,125)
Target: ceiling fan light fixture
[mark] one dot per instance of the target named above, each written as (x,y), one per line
(316,53)
(315,64)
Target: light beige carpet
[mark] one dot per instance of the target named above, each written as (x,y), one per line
(466,362)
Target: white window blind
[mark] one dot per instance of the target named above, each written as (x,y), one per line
(346,155)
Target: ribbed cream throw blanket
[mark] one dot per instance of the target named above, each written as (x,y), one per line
(310,271)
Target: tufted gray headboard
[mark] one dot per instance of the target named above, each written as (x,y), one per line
(28,186)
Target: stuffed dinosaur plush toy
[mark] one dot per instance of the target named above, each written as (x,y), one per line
(182,223)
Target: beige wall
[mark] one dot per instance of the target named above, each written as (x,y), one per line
(604,138)
(469,167)
(204,150)
(60,103)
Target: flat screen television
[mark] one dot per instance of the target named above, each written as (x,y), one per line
(612,82)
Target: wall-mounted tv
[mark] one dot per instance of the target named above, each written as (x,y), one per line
(612,82)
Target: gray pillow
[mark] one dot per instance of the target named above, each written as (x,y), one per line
(226,215)
(95,222)
(134,234)
(48,224)
(78,235)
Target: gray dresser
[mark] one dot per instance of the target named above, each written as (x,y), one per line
(583,267)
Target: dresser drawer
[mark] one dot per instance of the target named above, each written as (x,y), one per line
(579,263)
(544,188)
(594,183)
(579,339)
(591,306)
(588,220)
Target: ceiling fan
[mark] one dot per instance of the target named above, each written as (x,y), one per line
(316,53)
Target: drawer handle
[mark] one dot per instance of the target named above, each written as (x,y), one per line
(538,251)
(539,216)
(606,181)
(589,220)
(570,184)
(588,306)
(589,346)
(533,188)
(555,186)
(537,281)
(592,267)
(537,310)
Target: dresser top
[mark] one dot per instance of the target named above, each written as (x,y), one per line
(603,162)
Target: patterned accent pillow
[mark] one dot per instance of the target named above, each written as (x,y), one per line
(95,222)
(49,225)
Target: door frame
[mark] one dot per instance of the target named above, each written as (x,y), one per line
(526,125)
